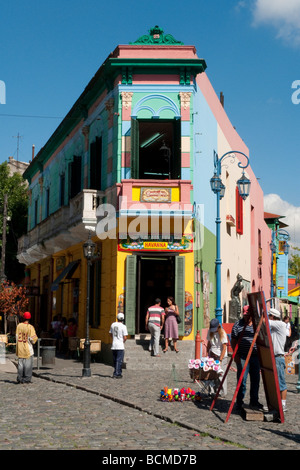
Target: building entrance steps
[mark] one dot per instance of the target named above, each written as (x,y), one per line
(138,356)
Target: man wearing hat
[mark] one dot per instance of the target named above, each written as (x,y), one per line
(118,332)
(278,334)
(25,338)
(244,328)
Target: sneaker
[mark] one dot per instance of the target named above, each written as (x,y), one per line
(284,408)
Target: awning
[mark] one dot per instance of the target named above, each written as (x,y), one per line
(66,273)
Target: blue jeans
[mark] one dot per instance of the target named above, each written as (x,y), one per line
(118,357)
(253,369)
(280,366)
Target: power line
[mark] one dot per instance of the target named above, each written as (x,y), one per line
(30,116)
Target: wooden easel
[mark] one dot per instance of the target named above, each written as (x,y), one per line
(263,340)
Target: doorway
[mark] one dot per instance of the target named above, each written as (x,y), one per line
(155,278)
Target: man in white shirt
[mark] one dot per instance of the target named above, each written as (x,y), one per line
(278,334)
(118,332)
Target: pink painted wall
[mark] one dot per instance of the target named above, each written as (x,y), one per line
(155,52)
(256,193)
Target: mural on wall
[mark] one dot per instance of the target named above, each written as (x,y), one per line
(121,300)
(188,314)
(206,289)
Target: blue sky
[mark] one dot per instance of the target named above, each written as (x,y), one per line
(49,50)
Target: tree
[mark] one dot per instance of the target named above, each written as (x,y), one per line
(12,298)
(16,189)
(294,265)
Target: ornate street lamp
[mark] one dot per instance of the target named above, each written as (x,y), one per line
(218,188)
(88,250)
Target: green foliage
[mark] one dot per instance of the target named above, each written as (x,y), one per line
(16,189)
(294,265)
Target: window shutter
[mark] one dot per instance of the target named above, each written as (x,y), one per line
(75,177)
(180,290)
(134,158)
(239,212)
(130,294)
(95,163)
(176,157)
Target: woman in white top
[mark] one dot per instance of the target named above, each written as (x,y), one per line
(217,348)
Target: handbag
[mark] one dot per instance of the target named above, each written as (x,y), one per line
(178,318)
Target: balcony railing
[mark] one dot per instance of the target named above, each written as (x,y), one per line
(68,225)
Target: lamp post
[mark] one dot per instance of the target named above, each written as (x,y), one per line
(88,250)
(218,188)
(273,251)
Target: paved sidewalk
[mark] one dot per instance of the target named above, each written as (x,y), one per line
(141,390)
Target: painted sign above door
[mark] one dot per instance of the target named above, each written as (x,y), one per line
(185,244)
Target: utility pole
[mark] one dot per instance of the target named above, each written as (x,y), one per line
(2,272)
(18,137)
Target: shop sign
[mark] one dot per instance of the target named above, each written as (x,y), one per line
(156,194)
(185,244)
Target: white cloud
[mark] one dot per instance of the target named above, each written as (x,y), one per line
(274,204)
(284,15)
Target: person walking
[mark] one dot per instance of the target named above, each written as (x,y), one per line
(171,325)
(278,335)
(154,322)
(25,338)
(244,328)
(118,332)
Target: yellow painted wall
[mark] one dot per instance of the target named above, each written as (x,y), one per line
(108,290)
(113,265)
(136,194)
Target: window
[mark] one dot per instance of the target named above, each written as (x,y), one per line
(47,202)
(36,207)
(75,177)
(147,139)
(95,163)
(239,212)
(62,183)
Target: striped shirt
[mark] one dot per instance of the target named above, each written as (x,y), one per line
(155,313)
(246,340)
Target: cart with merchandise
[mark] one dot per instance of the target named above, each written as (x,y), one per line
(207,374)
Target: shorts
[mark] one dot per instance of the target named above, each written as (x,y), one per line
(280,365)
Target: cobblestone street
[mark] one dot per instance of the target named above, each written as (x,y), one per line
(61,410)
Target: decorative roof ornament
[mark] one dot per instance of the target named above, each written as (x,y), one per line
(156,36)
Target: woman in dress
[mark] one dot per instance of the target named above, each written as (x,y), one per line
(171,326)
